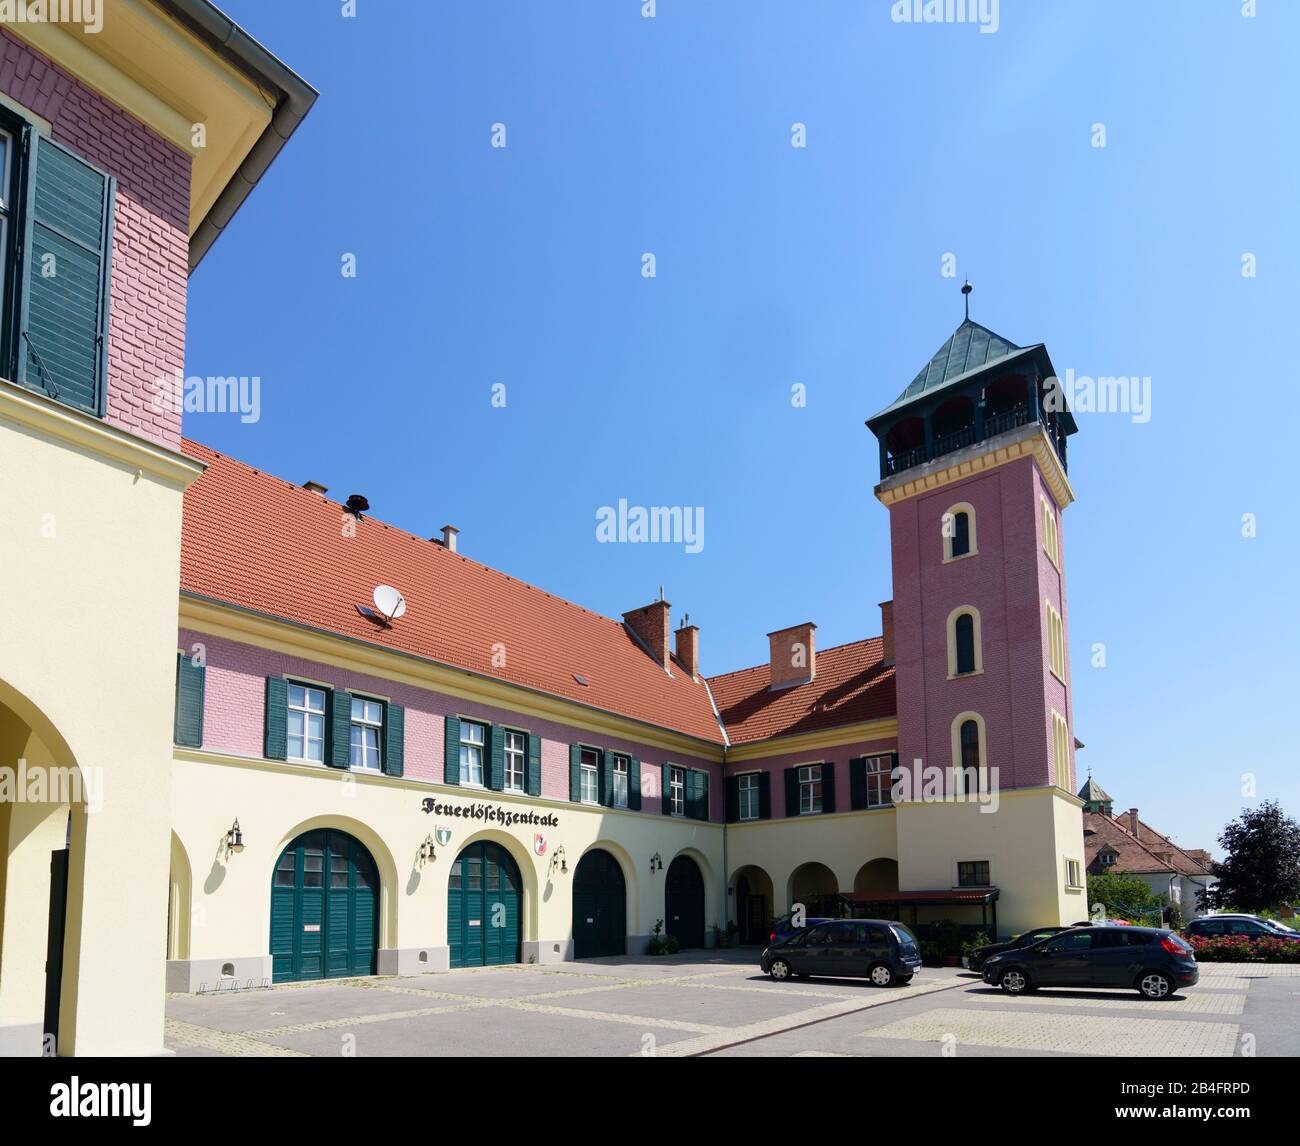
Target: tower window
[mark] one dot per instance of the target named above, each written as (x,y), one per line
(1051,539)
(969,757)
(964,633)
(1061,750)
(964,639)
(958,525)
(1055,642)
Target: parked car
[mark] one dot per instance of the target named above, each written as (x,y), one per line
(1252,926)
(784,928)
(877,949)
(975,960)
(1152,960)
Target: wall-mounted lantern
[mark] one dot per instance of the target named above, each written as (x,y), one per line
(558,860)
(426,850)
(234,838)
(656,863)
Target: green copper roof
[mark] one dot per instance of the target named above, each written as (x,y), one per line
(969,347)
(1093,793)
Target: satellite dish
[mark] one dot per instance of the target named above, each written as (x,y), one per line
(389,602)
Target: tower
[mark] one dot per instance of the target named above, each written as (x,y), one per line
(973,473)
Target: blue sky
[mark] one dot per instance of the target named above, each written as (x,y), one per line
(774,266)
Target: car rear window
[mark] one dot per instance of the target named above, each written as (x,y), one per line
(902,934)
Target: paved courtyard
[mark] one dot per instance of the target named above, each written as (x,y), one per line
(717,1003)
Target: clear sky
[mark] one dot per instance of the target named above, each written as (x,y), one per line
(822,265)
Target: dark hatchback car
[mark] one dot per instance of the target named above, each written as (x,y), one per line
(876,949)
(1251,926)
(784,928)
(975,960)
(1151,960)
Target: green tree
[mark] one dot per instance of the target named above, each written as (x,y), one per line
(1123,896)
(1261,868)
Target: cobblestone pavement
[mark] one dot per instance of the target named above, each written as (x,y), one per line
(719,1003)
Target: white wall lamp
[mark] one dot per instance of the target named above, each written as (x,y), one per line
(234,838)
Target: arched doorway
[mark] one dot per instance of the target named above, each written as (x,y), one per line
(483,899)
(324,909)
(753,906)
(684,902)
(599,906)
(878,875)
(815,886)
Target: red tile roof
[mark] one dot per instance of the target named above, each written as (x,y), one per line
(1132,856)
(852,684)
(261,543)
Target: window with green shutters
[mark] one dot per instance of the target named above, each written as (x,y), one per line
(189,702)
(59,243)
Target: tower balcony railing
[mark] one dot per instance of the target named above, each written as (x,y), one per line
(993,425)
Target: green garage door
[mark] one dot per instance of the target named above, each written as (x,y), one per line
(684,901)
(599,907)
(324,909)
(483,907)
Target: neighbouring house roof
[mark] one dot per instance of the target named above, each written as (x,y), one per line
(852,684)
(263,544)
(1182,859)
(1101,831)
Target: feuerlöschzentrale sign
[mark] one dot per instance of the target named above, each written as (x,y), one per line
(492,813)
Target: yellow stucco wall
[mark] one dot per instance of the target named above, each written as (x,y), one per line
(87,660)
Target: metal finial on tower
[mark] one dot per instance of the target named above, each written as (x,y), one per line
(965,290)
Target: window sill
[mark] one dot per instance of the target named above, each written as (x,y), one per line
(963,675)
(961,557)
(1058,676)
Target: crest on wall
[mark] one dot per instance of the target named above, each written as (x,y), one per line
(539,843)
(442,834)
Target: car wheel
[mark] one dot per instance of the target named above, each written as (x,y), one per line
(882,975)
(779,970)
(1156,985)
(1014,981)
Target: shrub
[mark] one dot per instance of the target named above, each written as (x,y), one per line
(1243,949)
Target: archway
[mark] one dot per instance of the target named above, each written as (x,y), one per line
(815,886)
(599,906)
(684,902)
(178,902)
(754,905)
(876,875)
(324,908)
(484,904)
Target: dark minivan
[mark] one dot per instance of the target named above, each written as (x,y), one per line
(877,949)
(1151,960)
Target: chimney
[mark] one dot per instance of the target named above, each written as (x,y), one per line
(315,487)
(794,655)
(650,624)
(1133,823)
(887,629)
(448,541)
(688,649)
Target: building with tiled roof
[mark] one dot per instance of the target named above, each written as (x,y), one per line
(1126,845)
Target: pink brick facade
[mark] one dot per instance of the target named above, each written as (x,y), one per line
(1008,580)
(150,233)
(234,706)
(775,767)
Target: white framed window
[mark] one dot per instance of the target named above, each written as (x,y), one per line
(965,642)
(367,728)
(749,802)
(880,779)
(1055,642)
(1061,750)
(810,789)
(1051,539)
(621,768)
(473,740)
(589,779)
(306,723)
(1073,877)
(958,528)
(677,791)
(969,755)
(516,753)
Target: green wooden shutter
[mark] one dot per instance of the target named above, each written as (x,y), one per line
(451,751)
(189,702)
(701,803)
(497,760)
(338,752)
(276,729)
(792,791)
(828,787)
(733,799)
(764,795)
(607,778)
(857,783)
(533,776)
(63,308)
(634,785)
(666,792)
(575,772)
(394,739)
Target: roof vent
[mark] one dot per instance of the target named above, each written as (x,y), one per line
(315,487)
(357,505)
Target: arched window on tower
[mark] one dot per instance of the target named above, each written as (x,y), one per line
(964,652)
(958,531)
(964,635)
(968,755)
